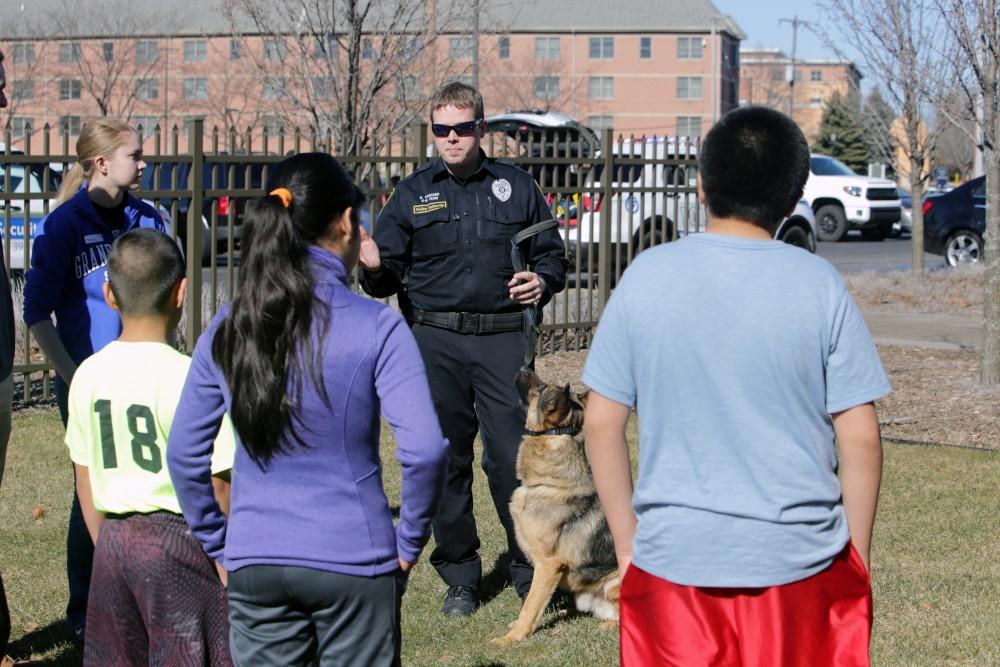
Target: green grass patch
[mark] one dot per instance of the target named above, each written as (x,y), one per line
(936,567)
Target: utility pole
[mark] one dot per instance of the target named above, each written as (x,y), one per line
(791,79)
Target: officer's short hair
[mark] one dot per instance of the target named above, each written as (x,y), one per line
(459,95)
(143,268)
(753,165)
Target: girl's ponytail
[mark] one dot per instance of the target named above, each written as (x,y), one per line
(71,183)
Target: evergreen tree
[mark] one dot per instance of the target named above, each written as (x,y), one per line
(841,136)
(877,119)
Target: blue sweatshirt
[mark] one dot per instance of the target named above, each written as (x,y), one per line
(322,506)
(68,271)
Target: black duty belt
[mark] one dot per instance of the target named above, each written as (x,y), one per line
(470,323)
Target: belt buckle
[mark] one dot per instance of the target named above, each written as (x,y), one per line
(469,323)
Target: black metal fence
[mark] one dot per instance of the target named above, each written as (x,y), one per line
(650,198)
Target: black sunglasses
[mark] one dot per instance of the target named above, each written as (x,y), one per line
(465,129)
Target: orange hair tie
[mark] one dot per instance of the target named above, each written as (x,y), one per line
(284,194)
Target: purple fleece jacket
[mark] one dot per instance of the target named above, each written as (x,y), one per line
(322,506)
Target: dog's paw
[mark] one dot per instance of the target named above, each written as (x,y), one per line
(507,639)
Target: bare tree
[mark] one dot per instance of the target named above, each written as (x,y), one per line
(356,69)
(110,73)
(22,64)
(974,25)
(895,39)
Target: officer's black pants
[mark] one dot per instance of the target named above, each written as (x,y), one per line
(472,383)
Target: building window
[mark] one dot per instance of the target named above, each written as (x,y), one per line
(108,50)
(816,75)
(689,87)
(690,48)
(69,89)
(20,126)
(546,87)
(23,54)
(602,47)
(408,87)
(69,52)
(645,48)
(275,49)
(70,124)
(146,89)
(196,88)
(603,122)
(734,54)
(601,88)
(689,126)
(235,52)
(459,47)
(146,124)
(322,87)
(326,47)
(195,50)
(275,89)
(23,90)
(367,48)
(146,52)
(412,47)
(547,48)
(778,73)
(272,123)
(503,48)
(815,101)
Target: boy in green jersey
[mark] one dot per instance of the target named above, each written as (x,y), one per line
(155,597)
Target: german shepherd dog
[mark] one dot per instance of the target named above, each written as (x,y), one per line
(557,517)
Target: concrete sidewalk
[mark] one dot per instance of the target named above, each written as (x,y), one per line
(941,332)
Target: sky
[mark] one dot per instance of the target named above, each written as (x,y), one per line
(759,19)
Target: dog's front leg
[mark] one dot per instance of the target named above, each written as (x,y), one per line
(543,585)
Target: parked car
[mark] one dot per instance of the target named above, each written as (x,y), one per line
(537,134)
(36,208)
(843,200)
(954,223)
(653,201)
(905,224)
(174,175)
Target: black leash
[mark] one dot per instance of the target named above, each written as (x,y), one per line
(532,312)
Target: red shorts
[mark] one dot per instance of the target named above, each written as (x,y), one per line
(825,619)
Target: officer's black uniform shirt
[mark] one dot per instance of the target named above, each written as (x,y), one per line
(449,239)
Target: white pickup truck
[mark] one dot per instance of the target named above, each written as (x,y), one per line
(843,200)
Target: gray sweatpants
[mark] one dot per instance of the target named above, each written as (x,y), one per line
(300,616)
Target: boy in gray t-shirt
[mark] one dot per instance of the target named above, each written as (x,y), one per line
(744,358)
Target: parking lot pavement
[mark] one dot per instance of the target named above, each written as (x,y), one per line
(856,254)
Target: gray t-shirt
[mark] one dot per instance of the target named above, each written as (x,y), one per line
(735,352)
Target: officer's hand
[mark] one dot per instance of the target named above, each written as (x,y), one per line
(369,258)
(526,288)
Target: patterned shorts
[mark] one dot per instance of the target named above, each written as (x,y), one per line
(155,597)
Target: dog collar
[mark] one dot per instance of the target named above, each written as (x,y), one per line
(564,430)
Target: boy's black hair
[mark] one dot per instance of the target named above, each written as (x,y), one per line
(143,268)
(754,164)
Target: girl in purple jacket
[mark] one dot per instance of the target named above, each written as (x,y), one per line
(305,368)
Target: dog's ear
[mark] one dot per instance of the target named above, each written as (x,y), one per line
(581,399)
(525,381)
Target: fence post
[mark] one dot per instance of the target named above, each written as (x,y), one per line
(195,242)
(422,144)
(604,259)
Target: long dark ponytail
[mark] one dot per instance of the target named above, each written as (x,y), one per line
(265,346)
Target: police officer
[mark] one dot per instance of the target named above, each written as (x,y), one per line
(443,242)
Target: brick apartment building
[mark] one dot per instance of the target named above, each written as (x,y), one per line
(765,76)
(641,67)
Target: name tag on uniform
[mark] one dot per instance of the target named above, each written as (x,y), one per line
(420,209)
(93,238)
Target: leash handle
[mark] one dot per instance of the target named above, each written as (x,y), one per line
(530,311)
